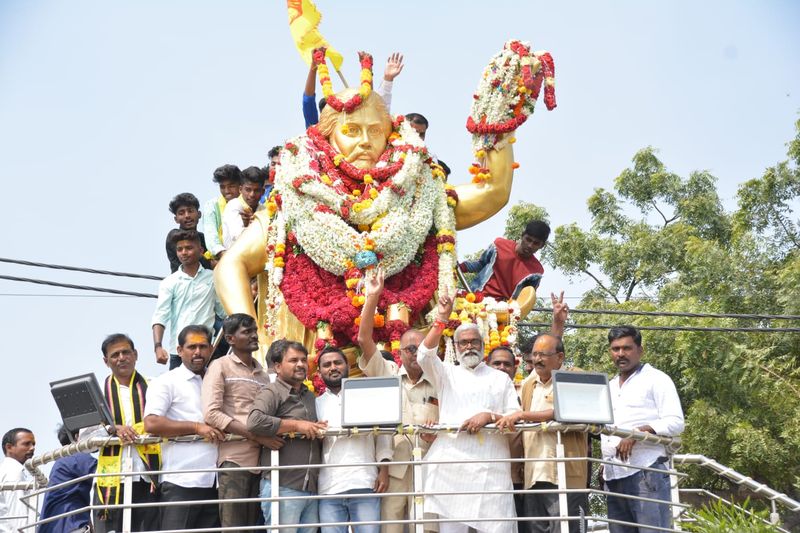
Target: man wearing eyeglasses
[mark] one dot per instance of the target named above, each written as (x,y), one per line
(537,404)
(472,395)
(420,400)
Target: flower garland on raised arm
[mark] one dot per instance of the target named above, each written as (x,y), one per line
(506,97)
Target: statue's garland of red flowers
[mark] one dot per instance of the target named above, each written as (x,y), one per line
(365,59)
(315,295)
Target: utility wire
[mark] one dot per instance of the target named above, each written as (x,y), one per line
(79,269)
(667,328)
(78,287)
(667,313)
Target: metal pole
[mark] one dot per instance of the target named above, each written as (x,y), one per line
(675,494)
(274,481)
(561,467)
(127,496)
(416,474)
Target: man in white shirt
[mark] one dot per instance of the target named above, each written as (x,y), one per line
(364,448)
(420,401)
(240,211)
(19,445)
(645,399)
(471,395)
(174,408)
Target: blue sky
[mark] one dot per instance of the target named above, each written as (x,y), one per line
(108,109)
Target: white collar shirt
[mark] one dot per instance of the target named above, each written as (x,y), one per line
(176,395)
(126,402)
(184,300)
(647,397)
(232,223)
(363,448)
(12,471)
(463,393)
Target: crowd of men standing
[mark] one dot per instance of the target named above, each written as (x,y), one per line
(235,395)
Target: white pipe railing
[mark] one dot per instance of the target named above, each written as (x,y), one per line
(418,519)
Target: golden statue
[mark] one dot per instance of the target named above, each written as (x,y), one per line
(357,190)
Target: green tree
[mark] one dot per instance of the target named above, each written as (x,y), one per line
(663,242)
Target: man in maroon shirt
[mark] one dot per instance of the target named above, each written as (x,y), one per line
(506,266)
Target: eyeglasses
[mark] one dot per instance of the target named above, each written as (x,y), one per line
(534,355)
(410,349)
(474,343)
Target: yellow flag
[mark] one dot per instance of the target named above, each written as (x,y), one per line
(303,21)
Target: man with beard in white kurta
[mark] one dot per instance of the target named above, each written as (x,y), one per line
(471,395)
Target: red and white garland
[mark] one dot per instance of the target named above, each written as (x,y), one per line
(506,97)
(331,221)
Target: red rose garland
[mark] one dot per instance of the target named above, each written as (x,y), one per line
(532,82)
(314,294)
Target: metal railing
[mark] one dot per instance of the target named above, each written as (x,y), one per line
(417,518)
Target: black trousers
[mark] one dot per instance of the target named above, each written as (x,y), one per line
(188,516)
(546,504)
(142,519)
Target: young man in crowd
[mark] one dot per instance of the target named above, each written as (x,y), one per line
(186,209)
(240,211)
(19,445)
(126,394)
(274,156)
(506,267)
(420,400)
(364,448)
(230,385)
(419,123)
(645,399)
(472,396)
(174,408)
(70,497)
(229,179)
(287,406)
(537,405)
(185,297)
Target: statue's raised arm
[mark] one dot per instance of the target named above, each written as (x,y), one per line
(360,190)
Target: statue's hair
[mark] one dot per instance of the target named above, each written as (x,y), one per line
(329,116)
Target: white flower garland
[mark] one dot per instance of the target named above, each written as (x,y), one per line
(399,223)
(498,93)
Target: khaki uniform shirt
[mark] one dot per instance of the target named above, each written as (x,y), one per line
(420,405)
(538,396)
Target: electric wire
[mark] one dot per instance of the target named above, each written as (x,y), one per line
(79,269)
(78,287)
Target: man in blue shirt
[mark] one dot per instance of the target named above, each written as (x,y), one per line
(70,497)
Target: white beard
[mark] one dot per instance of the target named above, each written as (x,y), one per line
(469,359)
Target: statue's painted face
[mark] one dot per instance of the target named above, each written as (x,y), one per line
(360,136)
